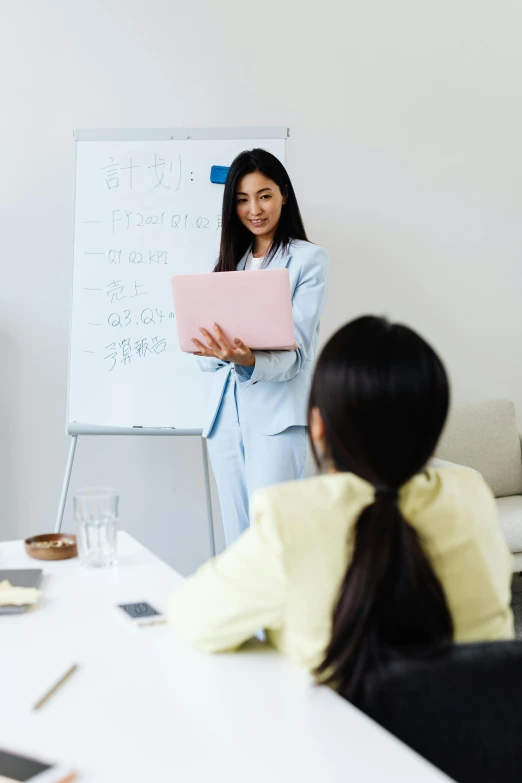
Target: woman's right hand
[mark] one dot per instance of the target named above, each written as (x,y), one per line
(218,347)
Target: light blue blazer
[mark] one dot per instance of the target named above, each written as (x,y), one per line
(274,393)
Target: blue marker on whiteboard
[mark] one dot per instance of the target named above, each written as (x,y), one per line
(218,174)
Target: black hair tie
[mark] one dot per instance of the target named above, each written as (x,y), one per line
(390,493)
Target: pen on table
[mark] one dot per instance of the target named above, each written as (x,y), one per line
(55,687)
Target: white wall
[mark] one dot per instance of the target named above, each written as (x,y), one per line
(405,151)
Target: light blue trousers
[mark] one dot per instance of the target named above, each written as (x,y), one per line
(243,460)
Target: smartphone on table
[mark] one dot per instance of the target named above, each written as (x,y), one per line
(140,614)
(15,768)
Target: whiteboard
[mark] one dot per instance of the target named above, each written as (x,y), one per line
(145,211)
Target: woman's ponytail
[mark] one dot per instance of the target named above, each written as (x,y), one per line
(390,601)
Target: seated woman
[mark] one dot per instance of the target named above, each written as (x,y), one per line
(379,556)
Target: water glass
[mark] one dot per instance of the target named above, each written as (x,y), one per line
(96,517)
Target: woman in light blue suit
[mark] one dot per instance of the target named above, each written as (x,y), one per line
(256,426)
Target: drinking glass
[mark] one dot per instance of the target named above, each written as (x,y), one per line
(96,517)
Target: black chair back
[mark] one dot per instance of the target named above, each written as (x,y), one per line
(461,710)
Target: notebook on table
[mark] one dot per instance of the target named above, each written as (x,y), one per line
(254,306)
(20,577)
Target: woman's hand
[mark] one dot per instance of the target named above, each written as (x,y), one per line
(218,347)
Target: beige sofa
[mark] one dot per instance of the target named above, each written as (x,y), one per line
(485,437)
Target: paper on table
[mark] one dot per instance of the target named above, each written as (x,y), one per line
(17,596)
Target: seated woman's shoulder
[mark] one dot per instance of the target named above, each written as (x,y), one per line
(288,492)
(450,472)
(311,494)
(461,486)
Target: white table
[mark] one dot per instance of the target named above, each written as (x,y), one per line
(144,708)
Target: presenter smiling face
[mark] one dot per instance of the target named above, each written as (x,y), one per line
(259,203)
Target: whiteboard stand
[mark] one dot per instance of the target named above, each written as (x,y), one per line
(75,430)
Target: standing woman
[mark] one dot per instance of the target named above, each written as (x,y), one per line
(256,426)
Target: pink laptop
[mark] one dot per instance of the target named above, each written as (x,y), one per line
(254,306)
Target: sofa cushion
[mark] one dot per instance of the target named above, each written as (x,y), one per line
(510,516)
(484,437)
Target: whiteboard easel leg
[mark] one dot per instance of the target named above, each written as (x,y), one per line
(208,499)
(65,487)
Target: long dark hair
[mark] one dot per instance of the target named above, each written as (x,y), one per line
(383,396)
(235,237)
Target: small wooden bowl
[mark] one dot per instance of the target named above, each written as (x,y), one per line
(51,546)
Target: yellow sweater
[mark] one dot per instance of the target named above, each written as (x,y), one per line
(284,574)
